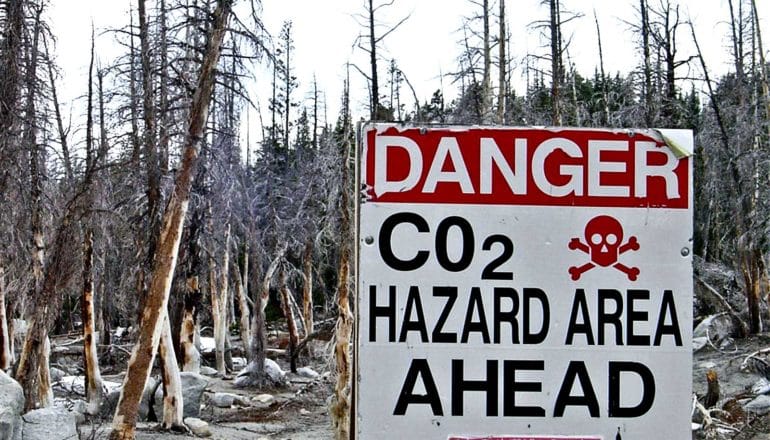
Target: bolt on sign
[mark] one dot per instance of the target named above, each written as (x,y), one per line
(524,283)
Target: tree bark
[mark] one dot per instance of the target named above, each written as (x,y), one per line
(6,356)
(502,83)
(93,377)
(307,287)
(191,358)
(124,422)
(290,322)
(172,385)
(243,307)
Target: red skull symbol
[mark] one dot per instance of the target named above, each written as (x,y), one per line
(604,235)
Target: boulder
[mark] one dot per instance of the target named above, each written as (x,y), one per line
(307,372)
(760,405)
(208,371)
(198,427)
(57,374)
(11,406)
(193,385)
(227,400)
(717,328)
(49,424)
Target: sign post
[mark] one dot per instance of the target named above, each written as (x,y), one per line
(523,283)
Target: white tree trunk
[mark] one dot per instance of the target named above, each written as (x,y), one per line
(172,384)
(6,355)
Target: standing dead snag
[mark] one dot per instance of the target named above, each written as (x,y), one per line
(243,307)
(124,423)
(341,401)
(93,378)
(307,287)
(5,340)
(191,358)
(290,323)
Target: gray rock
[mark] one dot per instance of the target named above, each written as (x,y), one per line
(193,385)
(307,372)
(11,406)
(760,405)
(265,398)
(717,328)
(49,424)
(152,386)
(227,400)
(239,363)
(274,371)
(57,374)
(208,371)
(198,427)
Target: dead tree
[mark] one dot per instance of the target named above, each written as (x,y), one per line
(93,378)
(124,422)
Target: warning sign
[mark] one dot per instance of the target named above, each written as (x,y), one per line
(520,283)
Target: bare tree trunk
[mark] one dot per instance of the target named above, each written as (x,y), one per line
(6,356)
(243,307)
(557,69)
(501,79)
(290,323)
(375,98)
(486,85)
(341,401)
(217,318)
(307,287)
(93,377)
(172,384)
(649,112)
(124,422)
(605,92)
(191,358)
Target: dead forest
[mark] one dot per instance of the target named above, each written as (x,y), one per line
(149,237)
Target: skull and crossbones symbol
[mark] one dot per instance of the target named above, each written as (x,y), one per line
(604,235)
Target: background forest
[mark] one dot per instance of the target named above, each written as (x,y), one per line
(161,211)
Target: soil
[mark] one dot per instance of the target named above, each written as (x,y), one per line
(299,411)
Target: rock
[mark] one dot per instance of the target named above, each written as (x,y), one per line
(193,385)
(227,400)
(304,412)
(762,386)
(208,371)
(699,343)
(239,363)
(307,372)
(718,328)
(57,374)
(198,427)
(109,404)
(11,406)
(49,424)
(207,345)
(760,405)
(265,398)
(152,387)
(274,371)
(79,409)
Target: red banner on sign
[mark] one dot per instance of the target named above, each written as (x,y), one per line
(543,167)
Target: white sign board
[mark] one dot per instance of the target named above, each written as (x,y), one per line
(521,283)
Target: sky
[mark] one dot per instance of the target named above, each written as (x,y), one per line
(425,46)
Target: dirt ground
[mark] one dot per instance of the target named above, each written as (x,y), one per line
(298,411)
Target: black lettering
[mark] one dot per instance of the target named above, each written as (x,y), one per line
(388,311)
(668,308)
(490,272)
(418,324)
(386,237)
(576,370)
(450,293)
(531,293)
(442,252)
(418,368)
(633,315)
(648,389)
(475,303)
(510,316)
(510,384)
(580,309)
(460,386)
(612,318)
